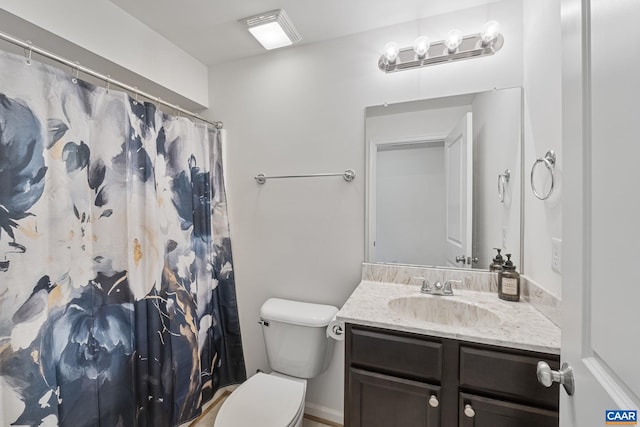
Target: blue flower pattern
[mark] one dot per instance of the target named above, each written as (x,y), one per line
(117,298)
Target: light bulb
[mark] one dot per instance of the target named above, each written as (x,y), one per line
(391,52)
(490,32)
(421,46)
(454,38)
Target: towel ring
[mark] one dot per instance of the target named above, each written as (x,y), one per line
(503,180)
(549,161)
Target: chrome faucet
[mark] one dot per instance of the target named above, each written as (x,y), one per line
(437,288)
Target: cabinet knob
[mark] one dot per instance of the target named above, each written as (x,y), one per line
(468,411)
(433,401)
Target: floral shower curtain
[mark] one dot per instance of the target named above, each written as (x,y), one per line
(117,295)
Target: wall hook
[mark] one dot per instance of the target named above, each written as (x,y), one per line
(28,52)
(503,180)
(74,79)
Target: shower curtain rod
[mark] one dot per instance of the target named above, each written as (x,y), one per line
(79,68)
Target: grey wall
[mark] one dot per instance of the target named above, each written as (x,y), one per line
(410,206)
(301,110)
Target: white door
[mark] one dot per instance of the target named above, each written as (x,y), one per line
(601,202)
(458,160)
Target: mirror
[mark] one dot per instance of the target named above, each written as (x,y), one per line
(444,179)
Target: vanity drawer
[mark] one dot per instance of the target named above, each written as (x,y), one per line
(506,374)
(405,355)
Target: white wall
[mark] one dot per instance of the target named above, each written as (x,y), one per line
(103,29)
(301,110)
(496,138)
(430,121)
(410,205)
(543,132)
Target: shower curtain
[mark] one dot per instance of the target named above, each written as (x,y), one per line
(117,294)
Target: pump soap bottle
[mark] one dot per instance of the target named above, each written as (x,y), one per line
(497,263)
(509,282)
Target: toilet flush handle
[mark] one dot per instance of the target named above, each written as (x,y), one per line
(263,323)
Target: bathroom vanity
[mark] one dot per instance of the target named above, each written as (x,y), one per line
(474,366)
(400,379)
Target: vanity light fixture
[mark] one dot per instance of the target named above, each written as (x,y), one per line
(490,32)
(421,46)
(391,51)
(272,29)
(454,47)
(453,40)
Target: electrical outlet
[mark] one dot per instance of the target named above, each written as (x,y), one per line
(556,255)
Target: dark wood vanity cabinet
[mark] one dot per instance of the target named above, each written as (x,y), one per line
(397,379)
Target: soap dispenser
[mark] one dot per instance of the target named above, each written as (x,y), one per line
(509,282)
(497,263)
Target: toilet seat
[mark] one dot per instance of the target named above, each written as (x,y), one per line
(264,400)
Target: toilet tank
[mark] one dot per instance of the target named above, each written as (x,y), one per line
(295,335)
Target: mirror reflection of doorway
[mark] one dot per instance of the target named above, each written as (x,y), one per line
(423,196)
(410,209)
(492,220)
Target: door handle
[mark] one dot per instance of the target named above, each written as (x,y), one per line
(462,259)
(547,376)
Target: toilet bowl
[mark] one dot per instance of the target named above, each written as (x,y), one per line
(264,400)
(297,347)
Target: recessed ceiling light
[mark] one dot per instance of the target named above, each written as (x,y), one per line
(272,29)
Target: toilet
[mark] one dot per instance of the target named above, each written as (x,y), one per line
(295,336)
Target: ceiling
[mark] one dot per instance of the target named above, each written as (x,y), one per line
(209,31)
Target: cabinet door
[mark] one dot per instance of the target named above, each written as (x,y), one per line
(476,411)
(379,400)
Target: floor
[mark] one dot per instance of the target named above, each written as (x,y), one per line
(209,417)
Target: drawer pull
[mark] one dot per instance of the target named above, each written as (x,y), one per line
(433,401)
(468,411)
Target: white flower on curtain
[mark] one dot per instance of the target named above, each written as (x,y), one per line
(113,236)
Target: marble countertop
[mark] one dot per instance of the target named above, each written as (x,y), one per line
(521,326)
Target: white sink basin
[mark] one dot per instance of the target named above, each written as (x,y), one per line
(444,311)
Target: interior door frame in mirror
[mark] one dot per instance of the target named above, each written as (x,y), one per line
(373,146)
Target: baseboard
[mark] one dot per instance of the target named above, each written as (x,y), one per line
(323,414)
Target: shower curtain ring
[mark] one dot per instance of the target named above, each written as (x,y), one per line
(76,74)
(28,52)
(108,80)
(135,99)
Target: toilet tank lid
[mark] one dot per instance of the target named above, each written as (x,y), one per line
(297,313)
